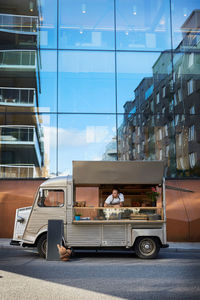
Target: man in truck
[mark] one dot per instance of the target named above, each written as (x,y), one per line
(115,199)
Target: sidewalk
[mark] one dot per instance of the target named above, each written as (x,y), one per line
(173,247)
(182,247)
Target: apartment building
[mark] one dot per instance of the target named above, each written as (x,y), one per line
(21,136)
(162,122)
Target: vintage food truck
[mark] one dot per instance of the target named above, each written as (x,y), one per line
(140,224)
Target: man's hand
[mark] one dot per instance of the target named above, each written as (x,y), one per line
(121,204)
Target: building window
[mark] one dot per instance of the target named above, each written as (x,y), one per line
(160,134)
(164,91)
(179,95)
(163,110)
(157,98)
(191,60)
(191,133)
(175,100)
(182,163)
(152,106)
(167,151)
(192,110)
(190,86)
(174,76)
(138,148)
(180,139)
(176,119)
(179,72)
(160,154)
(192,159)
(166,130)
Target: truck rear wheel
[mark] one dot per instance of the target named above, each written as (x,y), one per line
(42,245)
(147,247)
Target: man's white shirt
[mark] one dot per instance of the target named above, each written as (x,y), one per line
(111,200)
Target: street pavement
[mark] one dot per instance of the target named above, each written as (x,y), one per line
(175,274)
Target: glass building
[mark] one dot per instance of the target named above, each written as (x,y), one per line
(99,80)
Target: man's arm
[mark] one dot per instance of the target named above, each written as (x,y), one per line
(121,200)
(108,201)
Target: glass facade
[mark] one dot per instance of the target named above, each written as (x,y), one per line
(99,80)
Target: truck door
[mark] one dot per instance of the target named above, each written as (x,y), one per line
(49,204)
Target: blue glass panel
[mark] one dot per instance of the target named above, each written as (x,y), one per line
(86,81)
(136,73)
(85,137)
(143,24)
(186,24)
(48,23)
(86,24)
(47,94)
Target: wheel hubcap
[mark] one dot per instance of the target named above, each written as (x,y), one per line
(147,247)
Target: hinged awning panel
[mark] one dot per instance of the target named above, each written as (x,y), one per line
(118,172)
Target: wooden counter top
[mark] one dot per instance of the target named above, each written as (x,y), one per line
(117,221)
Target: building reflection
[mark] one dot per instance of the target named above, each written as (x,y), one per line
(21,136)
(162,122)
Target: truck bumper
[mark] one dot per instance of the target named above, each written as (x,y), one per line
(165,246)
(14,243)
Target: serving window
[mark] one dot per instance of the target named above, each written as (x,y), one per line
(141,202)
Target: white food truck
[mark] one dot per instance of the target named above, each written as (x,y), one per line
(140,224)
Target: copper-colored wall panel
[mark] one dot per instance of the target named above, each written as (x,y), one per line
(177,231)
(183,208)
(14,194)
(183,211)
(88,194)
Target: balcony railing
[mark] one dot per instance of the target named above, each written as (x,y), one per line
(14,134)
(17,96)
(19,23)
(17,171)
(17,58)
(21,135)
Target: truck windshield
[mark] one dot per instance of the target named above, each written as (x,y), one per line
(51,198)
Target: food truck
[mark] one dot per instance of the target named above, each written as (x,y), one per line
(79,200)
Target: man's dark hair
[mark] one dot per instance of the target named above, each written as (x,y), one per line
(115,189)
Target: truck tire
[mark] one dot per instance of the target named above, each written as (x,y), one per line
(147,247)
(42,245)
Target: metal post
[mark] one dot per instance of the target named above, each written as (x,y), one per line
(164,211)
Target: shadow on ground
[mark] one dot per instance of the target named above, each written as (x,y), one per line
(121,274)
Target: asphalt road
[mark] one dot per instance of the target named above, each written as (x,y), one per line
(173,275)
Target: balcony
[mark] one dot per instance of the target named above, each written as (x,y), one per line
(17,96)
(19,24)
(23,141)
(149,92)
(17,171)
(18,59)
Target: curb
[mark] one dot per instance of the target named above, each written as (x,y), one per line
(179,250)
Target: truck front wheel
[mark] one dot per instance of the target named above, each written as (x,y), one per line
(147,247)
(42,245)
